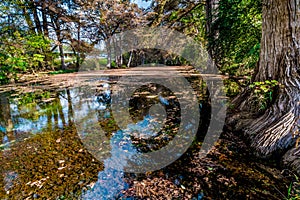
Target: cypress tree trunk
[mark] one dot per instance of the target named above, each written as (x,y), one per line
(274,132)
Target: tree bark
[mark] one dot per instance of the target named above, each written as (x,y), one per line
(78,39)
(108,49)
(210,10)
(62,57)
(274,132)
(60,44)
(130,59)
(28,18)
(45,22)
(36,19)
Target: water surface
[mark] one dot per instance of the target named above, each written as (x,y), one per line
(44,134)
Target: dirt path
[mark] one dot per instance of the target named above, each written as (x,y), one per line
(31,83)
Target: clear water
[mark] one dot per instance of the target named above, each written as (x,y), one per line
(43,152)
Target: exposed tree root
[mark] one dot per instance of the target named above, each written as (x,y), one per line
(275,132)
(292,159)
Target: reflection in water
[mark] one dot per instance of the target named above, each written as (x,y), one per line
(25,116)
(110,181)
(31,118)
(29,114)
(112,177)
(6,124)
(41,115)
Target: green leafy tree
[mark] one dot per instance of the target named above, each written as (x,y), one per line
(234,35)
(19,53)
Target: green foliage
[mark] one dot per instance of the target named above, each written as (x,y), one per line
(93,64)
(29,98)
(65,71)
(113,64)
(294,189)
(192,23)
(20,53)
(232,88)
(263,93)
(103,61)
(235,36)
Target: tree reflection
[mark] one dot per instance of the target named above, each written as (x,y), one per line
(6,122)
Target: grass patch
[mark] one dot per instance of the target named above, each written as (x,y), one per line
(103,61)
(65,71)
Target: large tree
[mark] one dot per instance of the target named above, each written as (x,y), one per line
(274,131)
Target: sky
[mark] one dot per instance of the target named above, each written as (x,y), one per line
(142,3)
